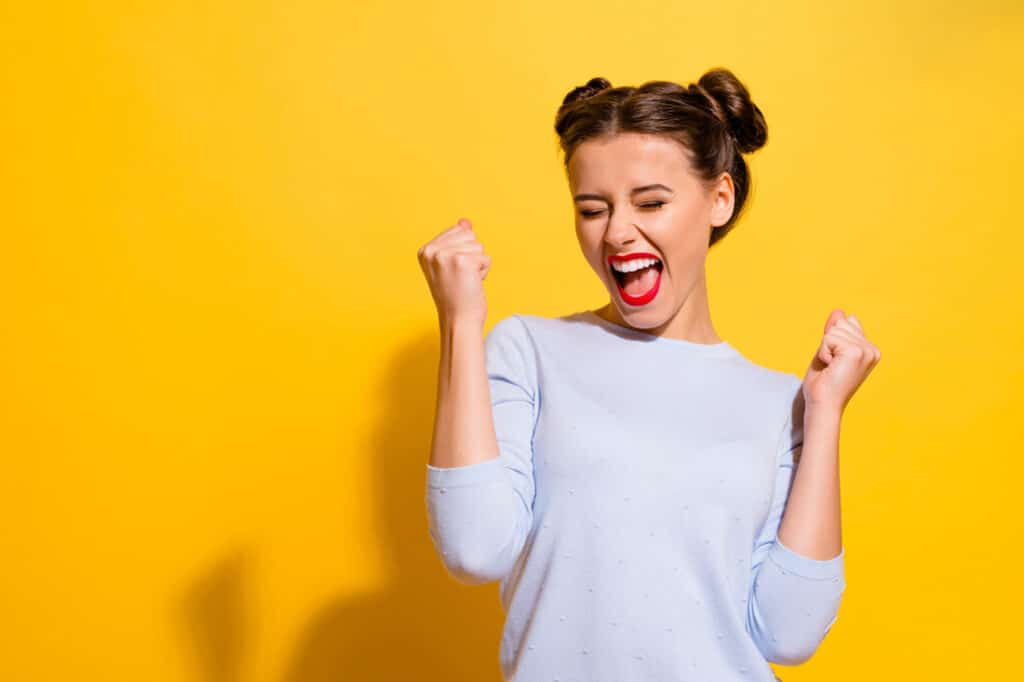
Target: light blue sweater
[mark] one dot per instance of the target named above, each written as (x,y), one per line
(632,515)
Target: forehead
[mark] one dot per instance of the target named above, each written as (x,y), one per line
(626,160)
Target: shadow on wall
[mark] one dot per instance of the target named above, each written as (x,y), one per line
(423,625)
(214,617)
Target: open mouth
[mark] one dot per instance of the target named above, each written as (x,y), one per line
(621,277)
(638,279)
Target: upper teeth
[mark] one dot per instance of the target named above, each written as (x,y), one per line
(635,264)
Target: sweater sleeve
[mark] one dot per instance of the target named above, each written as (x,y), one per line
(480,514)
(793,599)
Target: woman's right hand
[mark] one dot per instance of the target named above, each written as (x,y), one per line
(455,266)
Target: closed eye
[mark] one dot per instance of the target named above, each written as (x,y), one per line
(648,205)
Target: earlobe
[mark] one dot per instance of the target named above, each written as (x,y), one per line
(721,213)
(727,212)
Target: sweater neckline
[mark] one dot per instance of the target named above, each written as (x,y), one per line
(720,349)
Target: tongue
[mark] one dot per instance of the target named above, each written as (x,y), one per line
(640,282)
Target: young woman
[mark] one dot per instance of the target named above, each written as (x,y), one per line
(629,477)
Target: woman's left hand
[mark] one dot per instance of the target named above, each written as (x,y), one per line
(844,359)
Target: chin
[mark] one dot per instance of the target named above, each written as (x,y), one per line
(650,316)
(644,319)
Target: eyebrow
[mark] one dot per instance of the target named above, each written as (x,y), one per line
(635,190)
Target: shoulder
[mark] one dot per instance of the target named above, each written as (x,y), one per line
(776,393)
(535,331)
(510,326)
(516,329)
(509,346)
(769,380)
(537,341)
(531,323)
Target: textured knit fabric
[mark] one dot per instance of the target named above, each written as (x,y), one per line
(632,515)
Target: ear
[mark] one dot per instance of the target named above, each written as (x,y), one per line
(723,196)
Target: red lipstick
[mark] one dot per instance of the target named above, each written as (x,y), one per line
(650,294)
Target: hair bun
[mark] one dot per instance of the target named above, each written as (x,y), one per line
(731,102)
(591,88)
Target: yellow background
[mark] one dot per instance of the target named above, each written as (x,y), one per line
(219,354)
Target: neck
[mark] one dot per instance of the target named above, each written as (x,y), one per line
(691,322)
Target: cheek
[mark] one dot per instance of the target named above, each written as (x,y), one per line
(691,247)
(590,243)
(686,242)
(692,218)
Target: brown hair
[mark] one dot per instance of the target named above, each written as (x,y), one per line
(714,119)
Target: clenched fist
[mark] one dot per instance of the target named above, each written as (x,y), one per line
(455,266)
(843,360)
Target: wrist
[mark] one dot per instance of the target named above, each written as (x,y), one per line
(460,324)
(822,412)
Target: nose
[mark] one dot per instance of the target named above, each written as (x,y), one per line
(621,231)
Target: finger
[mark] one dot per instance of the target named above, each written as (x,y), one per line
(842,338)
(448,258)
(465,247)
(853,336)
(468,259)
(833,318)
(461,237)
(456,235)
(844,335)
(460,225)
(846,324)
(444,252)
(825,351)
(435,245)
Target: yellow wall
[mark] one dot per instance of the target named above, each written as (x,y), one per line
(219,354)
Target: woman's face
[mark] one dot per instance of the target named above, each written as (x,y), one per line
(638,194)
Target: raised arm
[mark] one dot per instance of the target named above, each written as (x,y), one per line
(479,491)
(480,484)
(796,585)
(798,573)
